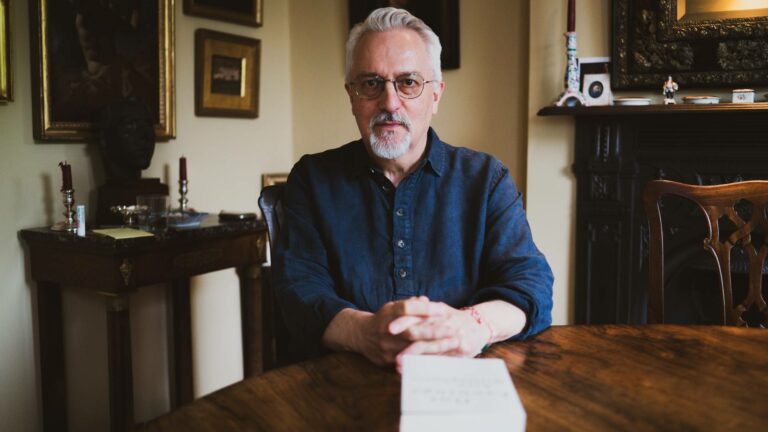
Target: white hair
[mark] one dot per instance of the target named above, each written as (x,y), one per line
(389,18)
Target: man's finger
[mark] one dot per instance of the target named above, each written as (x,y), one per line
(423,308)
(399,325)
(438,346)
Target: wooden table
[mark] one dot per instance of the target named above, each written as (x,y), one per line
(586,378)
(114,269)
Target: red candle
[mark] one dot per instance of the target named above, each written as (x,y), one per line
(183,168)
(66,175)
(571,15)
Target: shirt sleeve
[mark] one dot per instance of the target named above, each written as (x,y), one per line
(303,285)
(513,269)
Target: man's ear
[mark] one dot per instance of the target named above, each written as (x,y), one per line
(437,94)
(350,92)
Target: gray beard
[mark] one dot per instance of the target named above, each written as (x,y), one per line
(387,146)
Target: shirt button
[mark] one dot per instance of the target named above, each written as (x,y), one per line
(401,244)
(403,273)
(400,212)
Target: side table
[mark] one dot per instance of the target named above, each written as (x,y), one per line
(114,269)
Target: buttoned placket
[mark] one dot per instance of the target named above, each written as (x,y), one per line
(402,236)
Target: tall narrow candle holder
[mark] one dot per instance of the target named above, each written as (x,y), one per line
(69,223)
(183,201)
(571,96)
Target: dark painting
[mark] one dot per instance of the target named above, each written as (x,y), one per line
(440,15)
(99,52)
(226,75)
(239,6)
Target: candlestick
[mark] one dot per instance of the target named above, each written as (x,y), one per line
(66,176)
(571,96)
(183,169)
(183,201)
(571,15)
(69,223)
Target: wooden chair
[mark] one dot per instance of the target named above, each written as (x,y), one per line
(270,203)
(715,202)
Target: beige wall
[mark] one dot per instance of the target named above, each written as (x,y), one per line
(226,158)
(483,106)
(551,188)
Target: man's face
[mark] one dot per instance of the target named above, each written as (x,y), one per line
(390,125)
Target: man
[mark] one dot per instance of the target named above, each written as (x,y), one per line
(398,243)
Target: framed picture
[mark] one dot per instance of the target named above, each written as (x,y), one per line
(442,16)
(246,12)
(699,43)
(226,75)
(5,52)
(269,179)
(595,79)
(87,54)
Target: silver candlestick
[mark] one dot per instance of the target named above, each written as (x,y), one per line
(183,201)
(69,223)
(571,96)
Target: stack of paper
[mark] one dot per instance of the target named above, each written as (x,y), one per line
(458,394)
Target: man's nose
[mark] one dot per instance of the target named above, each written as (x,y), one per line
(389,99)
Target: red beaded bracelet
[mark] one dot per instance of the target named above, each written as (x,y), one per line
(479,319)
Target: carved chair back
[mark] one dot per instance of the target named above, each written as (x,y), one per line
(280,352)
(716,202)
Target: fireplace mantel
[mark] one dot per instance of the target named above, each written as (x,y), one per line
(618,150)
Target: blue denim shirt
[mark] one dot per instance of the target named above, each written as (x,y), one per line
(454,230)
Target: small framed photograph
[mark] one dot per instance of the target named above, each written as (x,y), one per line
(5,52)
(596,80)
(269,179)
(247,12)
(226,75)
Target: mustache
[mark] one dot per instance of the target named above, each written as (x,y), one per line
(388,117)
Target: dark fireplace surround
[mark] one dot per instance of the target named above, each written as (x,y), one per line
(618,150)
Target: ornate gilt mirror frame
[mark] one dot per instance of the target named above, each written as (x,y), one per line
(654,39)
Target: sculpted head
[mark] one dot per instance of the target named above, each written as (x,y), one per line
(127,139)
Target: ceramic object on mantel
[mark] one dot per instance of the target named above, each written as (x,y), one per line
(701,100)
(632,101)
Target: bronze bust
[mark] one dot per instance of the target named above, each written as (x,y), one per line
(127,144)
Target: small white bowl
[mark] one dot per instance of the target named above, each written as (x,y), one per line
(701,100)
(632,101)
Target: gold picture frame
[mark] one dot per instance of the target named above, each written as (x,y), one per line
(227,71)
(247,12)
(271,179)
(6,93)
(86,55)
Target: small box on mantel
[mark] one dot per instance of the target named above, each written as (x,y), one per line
(743,96)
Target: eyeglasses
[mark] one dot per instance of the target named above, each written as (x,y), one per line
(408,86)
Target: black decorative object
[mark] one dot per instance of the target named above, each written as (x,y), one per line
(618,150)
(653,39)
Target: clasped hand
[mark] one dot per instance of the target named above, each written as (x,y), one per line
(420,326)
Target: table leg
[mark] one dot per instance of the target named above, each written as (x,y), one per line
(52,374)
(252,316)
(180,343)
(120,367)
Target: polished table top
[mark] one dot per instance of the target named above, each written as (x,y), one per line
(607,377)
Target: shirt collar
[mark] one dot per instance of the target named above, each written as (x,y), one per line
(361,162)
